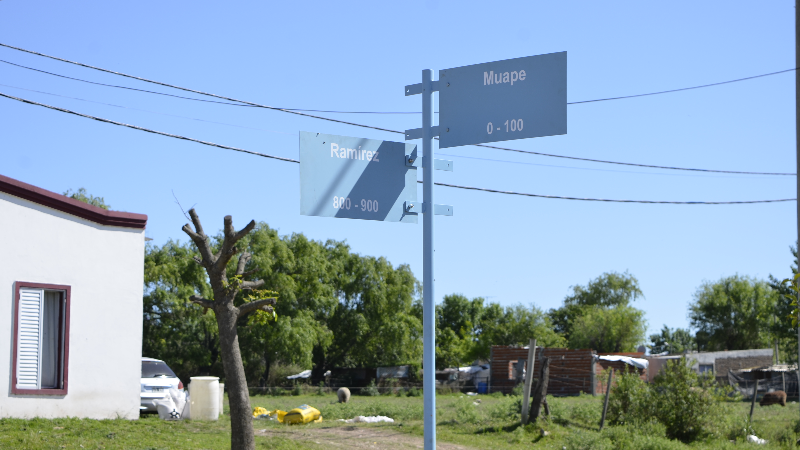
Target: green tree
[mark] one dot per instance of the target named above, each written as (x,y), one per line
(734,313)
(608,330)
(173,329)
(514,325)
(784,315)
(599,315)
(373,323)
(672,341)
(85,197)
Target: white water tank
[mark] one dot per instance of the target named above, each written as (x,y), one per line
(204,397)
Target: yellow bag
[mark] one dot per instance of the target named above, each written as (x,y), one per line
(301,414)
(259,411)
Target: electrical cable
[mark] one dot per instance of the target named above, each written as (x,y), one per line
(401,132)
(419,181)
(283,132)
(195,99)
(583,168)
(123,87)
(148,111)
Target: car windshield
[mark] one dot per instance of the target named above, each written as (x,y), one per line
(153,369)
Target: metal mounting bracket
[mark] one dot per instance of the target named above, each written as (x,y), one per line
(414,89)
(439,210)
(416,133)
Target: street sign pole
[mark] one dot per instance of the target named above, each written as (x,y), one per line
(428,299)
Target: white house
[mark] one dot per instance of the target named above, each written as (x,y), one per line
(71,278)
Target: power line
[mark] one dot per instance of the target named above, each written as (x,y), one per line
(682,89)
(148,111)
(587,168)
(401,132)
(222,97)
(31,102)
(367,112)
(191,98)
(438,184)
(650,166)
(283,132)
(121,87)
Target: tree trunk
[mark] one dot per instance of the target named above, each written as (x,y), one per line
(541,389)
(225,291)
(238,395)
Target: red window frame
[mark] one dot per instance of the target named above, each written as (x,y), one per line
(65,336)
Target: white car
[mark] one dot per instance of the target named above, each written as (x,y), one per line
(157,380)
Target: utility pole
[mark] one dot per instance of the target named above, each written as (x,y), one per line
(797,131)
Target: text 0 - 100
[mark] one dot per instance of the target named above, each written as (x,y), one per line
(511,125)
(366,205)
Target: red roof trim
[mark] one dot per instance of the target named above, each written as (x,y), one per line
(70,205)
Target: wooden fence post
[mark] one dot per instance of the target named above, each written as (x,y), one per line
(541,389)
(605,404)
(753,403)
(526,389)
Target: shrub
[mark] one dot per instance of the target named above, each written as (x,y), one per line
(679,403)
(414,392)
(371,390)
(629,402)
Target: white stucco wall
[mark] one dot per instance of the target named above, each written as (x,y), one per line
(104,267)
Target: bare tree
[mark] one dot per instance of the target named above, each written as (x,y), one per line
(228,315)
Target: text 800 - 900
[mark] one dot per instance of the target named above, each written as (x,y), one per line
(345,203)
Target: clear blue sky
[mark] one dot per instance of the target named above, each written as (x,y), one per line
(359,56)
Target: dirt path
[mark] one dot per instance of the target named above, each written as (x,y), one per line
(357,437)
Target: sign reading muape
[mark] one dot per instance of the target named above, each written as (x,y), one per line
(503,100)
(356,178)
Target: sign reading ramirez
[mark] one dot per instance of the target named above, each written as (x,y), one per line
(356,178)
(503,100)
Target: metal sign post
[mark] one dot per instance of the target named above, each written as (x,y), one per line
(357,178)
(426,88)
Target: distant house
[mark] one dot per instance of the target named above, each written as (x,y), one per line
(71,278)
(716,363)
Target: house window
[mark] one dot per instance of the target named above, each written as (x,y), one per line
(706,368)
(41,339)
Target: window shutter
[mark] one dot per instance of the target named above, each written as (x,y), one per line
(29,338)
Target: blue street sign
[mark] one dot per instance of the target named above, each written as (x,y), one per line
(356,178)
(503,100)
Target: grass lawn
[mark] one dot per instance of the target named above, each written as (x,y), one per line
(491,424)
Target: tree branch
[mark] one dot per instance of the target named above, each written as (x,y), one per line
(202,302)
(244,258)
(228,248)
(251,284)
(200,239)
(251,271)
(264,305)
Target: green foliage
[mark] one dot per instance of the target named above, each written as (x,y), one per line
(677,400)
(514,325)
(336,308)
(672,341)
(371,390)
(630,401)
(599,315)
(784,325)
(681,405)
(85,197)
(734,313)
(617,329)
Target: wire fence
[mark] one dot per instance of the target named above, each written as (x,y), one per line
(771,382)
